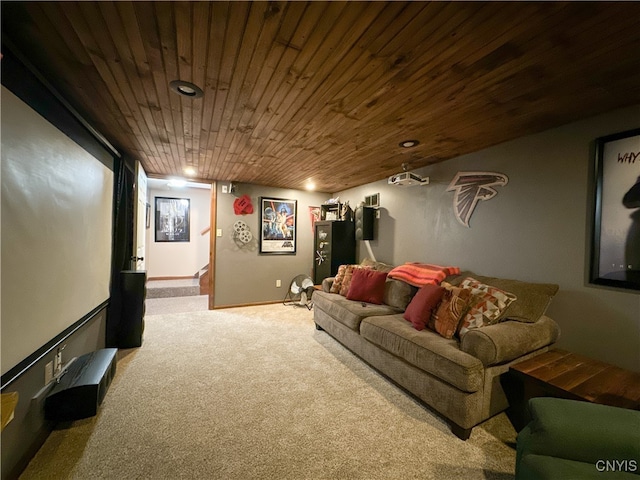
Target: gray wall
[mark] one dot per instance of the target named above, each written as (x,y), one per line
(24,435)
(535,229)
(243,276)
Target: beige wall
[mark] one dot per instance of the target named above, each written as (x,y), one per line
(180,259)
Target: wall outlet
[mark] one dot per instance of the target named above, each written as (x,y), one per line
(218,232)
(225,189)
(278,283)
(48,373)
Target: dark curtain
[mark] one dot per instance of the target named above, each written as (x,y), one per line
(122,243)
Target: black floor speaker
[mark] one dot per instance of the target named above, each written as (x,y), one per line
(134,291)
(364,223)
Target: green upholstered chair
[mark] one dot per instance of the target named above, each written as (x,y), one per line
(572,440)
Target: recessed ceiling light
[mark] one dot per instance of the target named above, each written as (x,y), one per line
(177,183)
(186,89)
(190,171)
(310,186)
(409,143)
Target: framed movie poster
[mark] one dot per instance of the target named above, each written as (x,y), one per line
(278,226)
(314,215)
(615,259)
(172,219)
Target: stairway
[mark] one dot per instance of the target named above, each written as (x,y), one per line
(183,287)
(173,288)
(203,276)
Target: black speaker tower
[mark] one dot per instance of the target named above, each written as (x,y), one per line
(364,223)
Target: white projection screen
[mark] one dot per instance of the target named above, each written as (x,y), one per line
(56,231)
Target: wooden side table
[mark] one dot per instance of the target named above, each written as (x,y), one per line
(558,373)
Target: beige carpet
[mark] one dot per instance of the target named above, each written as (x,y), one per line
(258,393)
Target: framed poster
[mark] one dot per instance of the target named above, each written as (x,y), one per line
(314,215)
(615,250)
(278,226)
(172,219)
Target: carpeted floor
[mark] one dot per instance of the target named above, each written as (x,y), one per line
(258,393)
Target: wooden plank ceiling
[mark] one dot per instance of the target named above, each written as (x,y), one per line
(326,90)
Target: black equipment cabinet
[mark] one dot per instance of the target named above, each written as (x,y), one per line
(134,292)
(334,245)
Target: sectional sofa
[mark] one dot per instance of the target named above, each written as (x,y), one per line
(458,377)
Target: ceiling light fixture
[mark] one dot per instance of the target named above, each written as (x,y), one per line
(310,186)
(409,143)
(189,171)
(177,183)
(186,89)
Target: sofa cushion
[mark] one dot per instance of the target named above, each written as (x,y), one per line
(375,265)
(425,350)
(506,341)
(327,283)
(348,312)
(419,310)
(367,286)
(398,294)
(533,298)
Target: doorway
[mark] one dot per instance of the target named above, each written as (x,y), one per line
(178,250)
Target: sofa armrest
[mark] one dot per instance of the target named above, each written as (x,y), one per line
(506,341)
(327,283)
(581,432)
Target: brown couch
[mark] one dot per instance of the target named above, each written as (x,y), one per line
(458,378)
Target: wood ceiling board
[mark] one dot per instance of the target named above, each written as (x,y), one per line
(326,90)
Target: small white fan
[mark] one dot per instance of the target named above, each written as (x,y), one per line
(300,292)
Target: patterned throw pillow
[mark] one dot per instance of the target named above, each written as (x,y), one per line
(488,305)
(452,309)
(337,281)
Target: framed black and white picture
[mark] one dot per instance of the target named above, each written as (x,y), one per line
(172,219)
(278,226)
(615,252)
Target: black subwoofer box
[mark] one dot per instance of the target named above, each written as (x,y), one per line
(80,391)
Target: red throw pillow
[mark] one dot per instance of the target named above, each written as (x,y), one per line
(419,310)
(367,286)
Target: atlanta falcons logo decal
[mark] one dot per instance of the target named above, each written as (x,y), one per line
(470,188)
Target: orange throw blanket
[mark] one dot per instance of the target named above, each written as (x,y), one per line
(421,274)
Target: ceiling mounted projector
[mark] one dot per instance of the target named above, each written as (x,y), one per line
(407,179)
